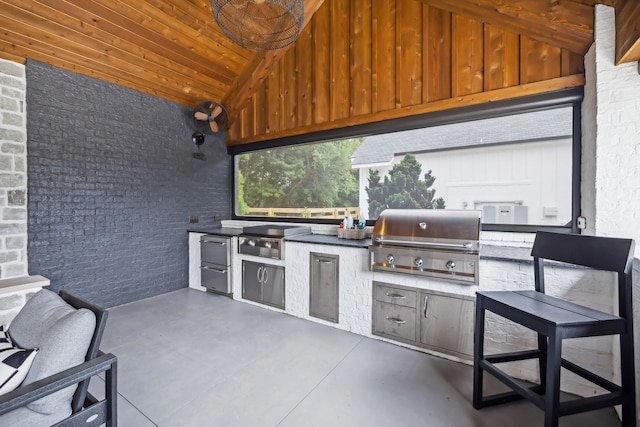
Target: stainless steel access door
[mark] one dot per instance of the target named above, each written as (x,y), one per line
(263,283)
(273,286)
(324,286)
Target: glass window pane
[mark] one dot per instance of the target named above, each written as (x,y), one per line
(300,181)
(516,169)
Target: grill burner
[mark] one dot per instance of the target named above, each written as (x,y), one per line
(427,242)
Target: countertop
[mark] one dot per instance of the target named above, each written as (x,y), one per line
(487,252)
(325,239)
(218,231)
(322,239)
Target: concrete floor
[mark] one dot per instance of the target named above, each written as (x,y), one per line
(189,358)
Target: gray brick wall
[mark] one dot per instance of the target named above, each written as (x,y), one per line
(112,184)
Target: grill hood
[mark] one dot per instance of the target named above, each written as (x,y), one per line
(428,227)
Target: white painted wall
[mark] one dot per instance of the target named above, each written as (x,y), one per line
(611,152)
(611,137)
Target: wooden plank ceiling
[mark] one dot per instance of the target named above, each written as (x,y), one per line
(174,49)
(387,59)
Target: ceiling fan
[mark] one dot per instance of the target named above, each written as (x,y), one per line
(211,116)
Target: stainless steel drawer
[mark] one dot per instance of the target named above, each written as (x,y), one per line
(394,295)
(215,278)
(394,320)
(215,250)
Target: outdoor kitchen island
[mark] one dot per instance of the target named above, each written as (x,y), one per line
(505,264)
(356,286)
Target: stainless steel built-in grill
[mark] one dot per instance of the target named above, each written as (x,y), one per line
(427,242)
(266,240)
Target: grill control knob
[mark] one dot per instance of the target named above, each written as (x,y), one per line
(390,259)
(418,262)
(450,265)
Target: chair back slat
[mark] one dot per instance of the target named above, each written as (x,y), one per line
(101,321)
(601,253)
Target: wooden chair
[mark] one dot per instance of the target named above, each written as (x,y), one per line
(554,320)
(85,409)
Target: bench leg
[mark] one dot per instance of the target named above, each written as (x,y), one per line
(542,361)
(552,378)
(627,370)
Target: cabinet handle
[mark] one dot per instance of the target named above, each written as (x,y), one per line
(212,242)
(395,296)
(426,306)
(324,261)
(259,274)
(214,269)
(396,320)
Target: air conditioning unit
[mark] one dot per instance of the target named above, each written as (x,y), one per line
(505,214)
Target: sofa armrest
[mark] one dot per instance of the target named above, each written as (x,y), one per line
(28,393)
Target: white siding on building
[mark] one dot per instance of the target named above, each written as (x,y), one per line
(534,174)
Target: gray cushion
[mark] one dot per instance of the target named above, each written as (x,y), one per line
(25,417)
(62,334)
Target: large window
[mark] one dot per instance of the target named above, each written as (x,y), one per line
(519,169)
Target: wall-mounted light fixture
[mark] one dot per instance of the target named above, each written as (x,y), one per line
(198,139)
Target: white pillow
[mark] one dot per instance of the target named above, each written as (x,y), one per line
(14,363)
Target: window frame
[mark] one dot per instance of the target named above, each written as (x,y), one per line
(567,97)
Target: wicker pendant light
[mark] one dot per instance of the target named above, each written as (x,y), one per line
(260,24)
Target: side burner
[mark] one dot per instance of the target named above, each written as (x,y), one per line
(266,240)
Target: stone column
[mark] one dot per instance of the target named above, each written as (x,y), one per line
(13,184)
(13,170)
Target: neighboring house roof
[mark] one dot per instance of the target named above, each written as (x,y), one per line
(538,125)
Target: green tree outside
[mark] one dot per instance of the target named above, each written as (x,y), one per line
(243,208)
(302,176)
(402,188)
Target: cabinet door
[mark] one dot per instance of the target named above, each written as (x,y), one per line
(323,282)
(251,281)
(446,323)
(273,285)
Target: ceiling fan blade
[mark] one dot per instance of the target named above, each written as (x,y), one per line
(214,126)
(200,115)
(216,111)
